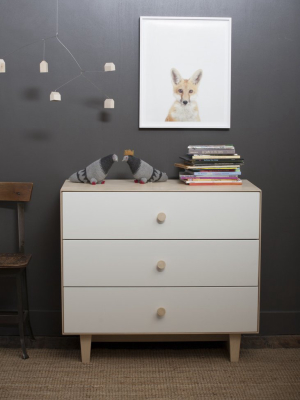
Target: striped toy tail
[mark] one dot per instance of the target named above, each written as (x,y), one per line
(79,176)
(158,176)
(163,178)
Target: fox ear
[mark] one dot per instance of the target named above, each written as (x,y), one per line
(176,77)
(195,78)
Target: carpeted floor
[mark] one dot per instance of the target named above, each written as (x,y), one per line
(150,373)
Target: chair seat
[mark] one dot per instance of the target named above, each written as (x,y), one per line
(14,260)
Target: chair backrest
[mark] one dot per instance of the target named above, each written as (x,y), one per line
(19,192)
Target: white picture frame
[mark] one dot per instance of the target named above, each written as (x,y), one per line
(195,54)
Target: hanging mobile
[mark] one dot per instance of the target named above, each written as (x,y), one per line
(55,95)
(44,64)
(2,66)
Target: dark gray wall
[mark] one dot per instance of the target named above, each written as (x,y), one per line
(45,142)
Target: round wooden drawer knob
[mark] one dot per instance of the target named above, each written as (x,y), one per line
(161,218)
(161,312)
(161,265)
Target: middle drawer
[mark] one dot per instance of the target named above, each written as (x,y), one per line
(160,262)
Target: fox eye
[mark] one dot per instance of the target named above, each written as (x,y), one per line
(190,91)
(180,91)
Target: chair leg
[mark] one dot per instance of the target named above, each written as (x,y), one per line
(26,305)
(21,314)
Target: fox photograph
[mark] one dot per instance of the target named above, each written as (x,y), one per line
(185,72)
(185,106)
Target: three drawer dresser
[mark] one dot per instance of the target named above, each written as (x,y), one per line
(160,261)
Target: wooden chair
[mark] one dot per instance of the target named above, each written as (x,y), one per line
(14,265)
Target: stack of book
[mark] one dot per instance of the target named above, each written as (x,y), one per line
(211,165)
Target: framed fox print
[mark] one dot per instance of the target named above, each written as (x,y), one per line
(185,72)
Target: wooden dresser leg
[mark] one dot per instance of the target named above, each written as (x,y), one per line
(85,344)
(234,347)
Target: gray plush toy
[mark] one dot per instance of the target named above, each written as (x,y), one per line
(95,172)
(143,172)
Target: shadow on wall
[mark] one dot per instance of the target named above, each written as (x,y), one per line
(105,116)
(39,135)
(97,104)
(31,94)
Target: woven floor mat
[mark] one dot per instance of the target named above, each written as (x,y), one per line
(150,374)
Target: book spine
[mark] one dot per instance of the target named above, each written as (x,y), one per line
(235,173)
(216,164)
(211,152)
(208,178)
(220,160)
(215,156)
(213,183)
(209,168)
(211,146)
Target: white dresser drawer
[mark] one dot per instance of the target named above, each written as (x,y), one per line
(134,310)
(134,262)
(127,215)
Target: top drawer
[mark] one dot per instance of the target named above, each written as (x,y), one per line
(125,215)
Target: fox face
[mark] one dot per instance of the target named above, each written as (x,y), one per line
(185,90)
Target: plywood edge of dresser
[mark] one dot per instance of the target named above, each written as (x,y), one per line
(172,185)
(61,260)
(173,336)
(259,262)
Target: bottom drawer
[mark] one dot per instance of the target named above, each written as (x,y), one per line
(96,310)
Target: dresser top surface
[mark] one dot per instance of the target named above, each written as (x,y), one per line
(172,185)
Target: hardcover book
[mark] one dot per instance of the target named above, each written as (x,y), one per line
(219,157)
(212,151)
